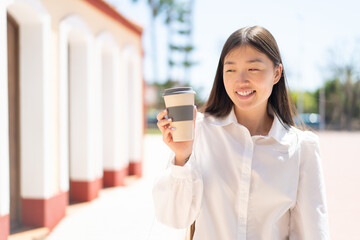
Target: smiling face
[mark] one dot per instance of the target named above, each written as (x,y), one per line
(249,76)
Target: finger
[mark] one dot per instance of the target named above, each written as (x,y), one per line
(167,137)
(162,124)
(161,115)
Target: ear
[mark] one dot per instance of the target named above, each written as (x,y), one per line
(278,73)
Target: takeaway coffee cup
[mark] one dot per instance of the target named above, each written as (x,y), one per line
(179,102)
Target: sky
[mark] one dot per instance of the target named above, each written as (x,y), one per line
(306,32)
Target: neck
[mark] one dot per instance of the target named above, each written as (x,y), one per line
(257,122)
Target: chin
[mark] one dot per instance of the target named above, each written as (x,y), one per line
(248,106)
(244,107)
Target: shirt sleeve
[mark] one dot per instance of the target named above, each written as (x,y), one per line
(177,194)
(309,217)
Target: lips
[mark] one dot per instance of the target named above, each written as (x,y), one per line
(245,93)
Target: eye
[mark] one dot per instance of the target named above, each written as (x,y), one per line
(253,69)
(230,70)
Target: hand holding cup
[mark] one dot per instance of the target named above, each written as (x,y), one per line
(179,128)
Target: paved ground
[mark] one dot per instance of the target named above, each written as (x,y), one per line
(126,213)
(122,213)
(341,163)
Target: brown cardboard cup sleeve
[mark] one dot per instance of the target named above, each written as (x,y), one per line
(181,113)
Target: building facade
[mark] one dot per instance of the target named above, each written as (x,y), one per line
(71,106)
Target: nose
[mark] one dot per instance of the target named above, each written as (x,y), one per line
(242,77)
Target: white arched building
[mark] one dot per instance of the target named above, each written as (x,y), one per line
(71,103)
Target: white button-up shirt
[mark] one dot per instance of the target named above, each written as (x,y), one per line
(241,187)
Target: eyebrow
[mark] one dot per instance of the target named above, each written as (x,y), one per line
(228,62)
(255,60)
(249,61)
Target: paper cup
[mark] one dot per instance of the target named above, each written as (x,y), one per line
(180,105)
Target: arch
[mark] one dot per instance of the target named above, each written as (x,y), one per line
(80,111)
(37,121)
(106,39)
(36,91)
(27,12)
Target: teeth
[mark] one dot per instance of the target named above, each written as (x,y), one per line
(245,93)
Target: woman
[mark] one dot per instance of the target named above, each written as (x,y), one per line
(249,173)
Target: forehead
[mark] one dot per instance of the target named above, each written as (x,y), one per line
(246,53)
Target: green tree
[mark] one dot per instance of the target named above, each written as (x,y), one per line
(157,7)
(342,91)
(342,104)
(310,102)
(179,23)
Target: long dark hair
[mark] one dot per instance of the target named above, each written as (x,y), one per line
(219,103)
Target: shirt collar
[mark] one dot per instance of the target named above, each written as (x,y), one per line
(277,130)
(222,121)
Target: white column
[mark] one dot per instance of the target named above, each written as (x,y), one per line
(126,106)
(109,108)
(38,154)
(115,150)
(63,108)
(4,117)
(85,114)
(51,160)
(80,166)
(94,114)
(121,125)
(136,97)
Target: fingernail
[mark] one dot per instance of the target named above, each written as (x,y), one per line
(164,111)
(169,119)
(173,128)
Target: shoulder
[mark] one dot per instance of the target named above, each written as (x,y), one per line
(199,119)
(199,116)
(204,119)
(208,121)
(308,141)
(204,130)
(305,136)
